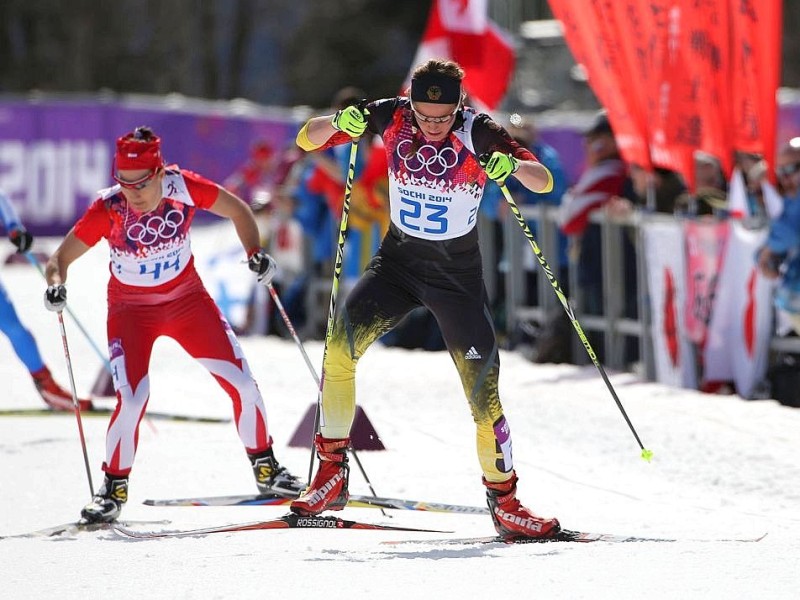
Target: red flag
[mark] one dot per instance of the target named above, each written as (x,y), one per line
(460,30)
(702,29)
(591,34)
(599,38)
(756,63)
(680,75)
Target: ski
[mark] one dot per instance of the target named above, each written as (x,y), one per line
(76,527)
(289,521)
(105,412)
(355,501)
(565,535)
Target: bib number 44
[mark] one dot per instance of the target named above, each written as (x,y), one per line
(155,269)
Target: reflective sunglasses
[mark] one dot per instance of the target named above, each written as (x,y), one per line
(425,119)
(138,184)
(787,170)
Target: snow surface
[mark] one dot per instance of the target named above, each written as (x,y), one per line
(723,469)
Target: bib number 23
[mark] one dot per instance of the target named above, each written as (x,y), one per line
(427,217)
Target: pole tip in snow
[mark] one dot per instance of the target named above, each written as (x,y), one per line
(647,454)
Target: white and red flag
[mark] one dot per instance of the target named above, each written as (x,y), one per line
(461,30)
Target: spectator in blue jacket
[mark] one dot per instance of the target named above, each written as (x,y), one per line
(780,256)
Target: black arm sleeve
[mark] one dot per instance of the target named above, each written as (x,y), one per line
(488,137)
(380,114)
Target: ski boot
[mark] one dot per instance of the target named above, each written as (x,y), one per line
(53,394)
(328,491)
(272,478)
(106,505)
(511,519)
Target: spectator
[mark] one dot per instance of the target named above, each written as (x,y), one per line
(494,206)
(604,178)
(318,207)
(780,256)
(754,170)
(549,345)
(254,174)
(263,181)
(710,196)
(666,187)
(368,217)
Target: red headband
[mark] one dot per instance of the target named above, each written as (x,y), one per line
(134,154)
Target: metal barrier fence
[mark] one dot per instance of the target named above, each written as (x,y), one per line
(612,322)
(616,332)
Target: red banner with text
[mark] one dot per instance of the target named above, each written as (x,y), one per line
(755,74)
(677,76)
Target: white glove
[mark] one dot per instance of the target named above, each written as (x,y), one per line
(263,265)
(55,298)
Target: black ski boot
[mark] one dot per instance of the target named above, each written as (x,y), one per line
(272,478)
(106,505)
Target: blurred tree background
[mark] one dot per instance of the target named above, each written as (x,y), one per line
(278,52)
(281,52)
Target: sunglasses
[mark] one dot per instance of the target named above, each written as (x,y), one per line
(138,184)
(425,119)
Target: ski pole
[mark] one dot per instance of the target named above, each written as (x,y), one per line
(85,333)
(75,402)
(337,271)
(646,454)
(275,298)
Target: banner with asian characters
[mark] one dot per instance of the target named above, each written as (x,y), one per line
(678,76)
(592,32)
(756,33)
(704,33)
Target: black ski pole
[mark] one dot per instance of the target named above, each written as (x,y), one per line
(646,454)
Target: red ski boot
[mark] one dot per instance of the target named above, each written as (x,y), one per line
(511,519)
(328,491)
(53,394)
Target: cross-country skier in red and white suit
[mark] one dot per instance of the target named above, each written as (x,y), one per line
(154,290)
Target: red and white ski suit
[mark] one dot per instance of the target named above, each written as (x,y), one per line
(154,290)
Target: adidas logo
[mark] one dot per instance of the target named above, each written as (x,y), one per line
(472,354)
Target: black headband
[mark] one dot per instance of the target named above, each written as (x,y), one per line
(436,89)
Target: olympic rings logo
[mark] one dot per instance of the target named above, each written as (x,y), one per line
(435,162)
(156,228)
